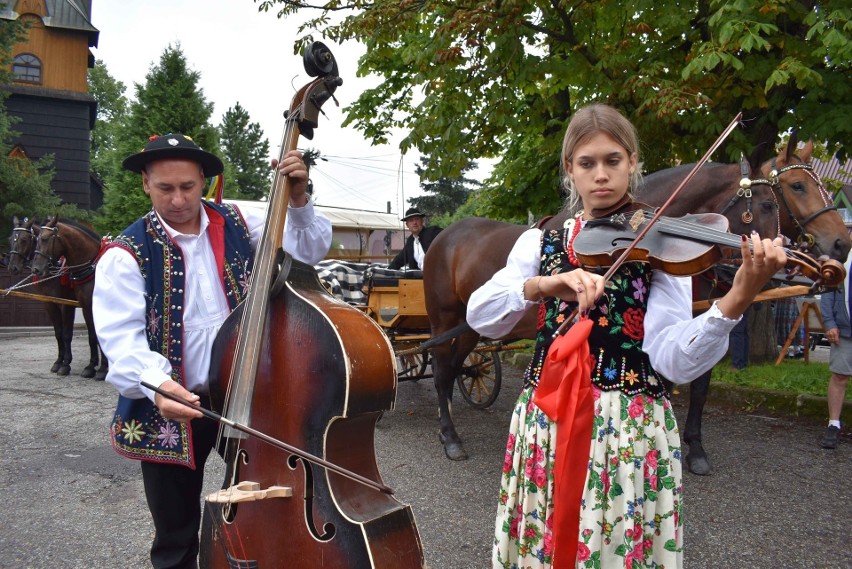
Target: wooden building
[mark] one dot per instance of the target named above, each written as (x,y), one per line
(49,95)
(49,91)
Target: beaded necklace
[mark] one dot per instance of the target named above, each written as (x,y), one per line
(569,246)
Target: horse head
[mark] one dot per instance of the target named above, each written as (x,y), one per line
(48,249)
(808,215)
(21,244)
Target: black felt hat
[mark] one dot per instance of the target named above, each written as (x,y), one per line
(173,146)
(412,212)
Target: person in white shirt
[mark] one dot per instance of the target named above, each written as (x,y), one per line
(592,474)
(414,251)
(162,290)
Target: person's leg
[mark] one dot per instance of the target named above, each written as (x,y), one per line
(173,493)
(836,395)
(739,343)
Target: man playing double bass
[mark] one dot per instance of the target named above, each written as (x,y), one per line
(163,288)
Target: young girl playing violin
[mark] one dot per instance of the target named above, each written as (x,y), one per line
(613,496)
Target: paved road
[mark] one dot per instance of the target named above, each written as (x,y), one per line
(775,499)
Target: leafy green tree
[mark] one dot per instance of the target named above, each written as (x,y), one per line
(247,151)
(444,196)
(170,100)
(110,123)
(25,188)
(501,78)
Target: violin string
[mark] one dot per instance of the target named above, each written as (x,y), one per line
(701,233)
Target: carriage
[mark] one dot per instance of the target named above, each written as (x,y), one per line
(395,300)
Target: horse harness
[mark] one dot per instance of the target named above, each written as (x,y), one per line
(807,240)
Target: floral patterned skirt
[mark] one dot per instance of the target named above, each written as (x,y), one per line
(630,514)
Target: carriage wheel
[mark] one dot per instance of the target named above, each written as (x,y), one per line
(411,366)
(480,378)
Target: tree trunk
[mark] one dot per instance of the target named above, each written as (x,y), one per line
(763,346)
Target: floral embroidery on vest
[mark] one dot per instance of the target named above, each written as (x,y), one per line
(138,430)
(616,338)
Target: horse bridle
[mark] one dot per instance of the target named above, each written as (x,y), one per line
(807,240)
(15,251)
(77,273)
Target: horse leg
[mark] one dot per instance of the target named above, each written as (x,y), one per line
(697,460)
(94,347)
(101,372)
(447,361)
(55,314)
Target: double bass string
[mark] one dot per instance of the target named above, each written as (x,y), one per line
(252,321)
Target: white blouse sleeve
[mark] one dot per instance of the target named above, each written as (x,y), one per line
(495,307)
(118,307)
(680,347)
(307,233)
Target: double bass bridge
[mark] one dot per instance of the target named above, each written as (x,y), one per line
(247,491)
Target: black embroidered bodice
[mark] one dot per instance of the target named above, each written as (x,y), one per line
(615,342)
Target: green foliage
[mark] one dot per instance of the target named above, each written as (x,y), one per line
(500,78)
(113,108)
(792,375)
(246,152)
(169,101)
(445,196)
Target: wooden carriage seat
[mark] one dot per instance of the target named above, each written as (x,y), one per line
(397,301)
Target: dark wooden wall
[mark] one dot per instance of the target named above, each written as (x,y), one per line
(59,123)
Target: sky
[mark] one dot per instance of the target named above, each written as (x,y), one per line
(247,56)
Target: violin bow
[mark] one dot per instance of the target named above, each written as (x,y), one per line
(274,442)
(659,212)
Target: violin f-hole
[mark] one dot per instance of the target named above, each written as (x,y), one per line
(328,529)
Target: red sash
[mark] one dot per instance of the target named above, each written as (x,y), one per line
(564,394)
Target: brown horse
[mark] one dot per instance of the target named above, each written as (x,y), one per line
(22,244)
(80,247)
(807,217)
(452,273)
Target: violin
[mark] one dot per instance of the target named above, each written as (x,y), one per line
(680,246)
(293,365)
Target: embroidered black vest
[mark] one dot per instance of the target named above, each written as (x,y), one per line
(616,338)
(138,430)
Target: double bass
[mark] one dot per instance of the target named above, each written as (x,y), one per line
(302,367)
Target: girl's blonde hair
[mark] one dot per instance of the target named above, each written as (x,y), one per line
(587,122)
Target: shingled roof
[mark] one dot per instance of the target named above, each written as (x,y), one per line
(63,14)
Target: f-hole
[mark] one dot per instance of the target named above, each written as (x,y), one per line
(232,476)
(328,529)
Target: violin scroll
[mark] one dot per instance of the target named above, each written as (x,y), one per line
(824,271)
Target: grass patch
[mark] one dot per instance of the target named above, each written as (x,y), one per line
(791,375)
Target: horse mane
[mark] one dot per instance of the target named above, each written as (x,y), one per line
(80,226)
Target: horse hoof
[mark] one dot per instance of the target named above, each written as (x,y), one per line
(100,375)
(699,465)
(88,372)
(55,367)
(63,370)
(453,449)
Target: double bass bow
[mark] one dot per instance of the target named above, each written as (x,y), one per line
(299,366)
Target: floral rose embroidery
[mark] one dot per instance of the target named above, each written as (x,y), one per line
(634,323)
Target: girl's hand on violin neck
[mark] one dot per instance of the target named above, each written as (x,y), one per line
(172,409)
(577,285)
(761,261)
(293,166)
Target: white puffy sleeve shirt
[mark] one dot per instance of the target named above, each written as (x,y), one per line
(679,346)
(119,301)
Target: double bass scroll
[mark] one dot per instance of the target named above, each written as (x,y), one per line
(306,369)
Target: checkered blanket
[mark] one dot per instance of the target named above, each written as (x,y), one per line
(346,279)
